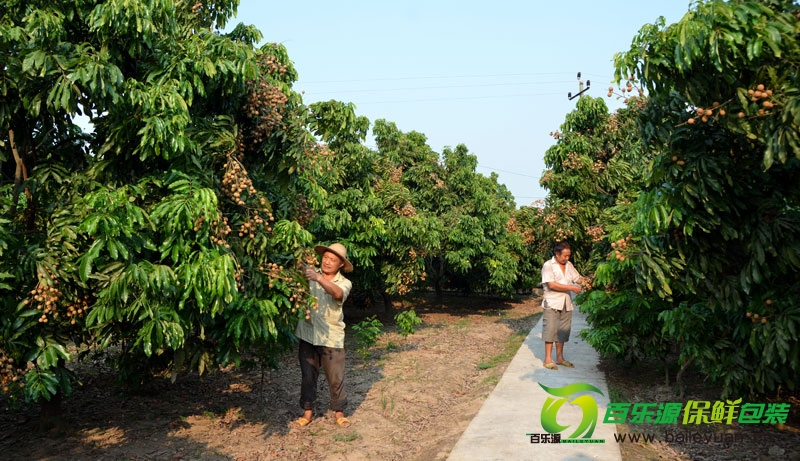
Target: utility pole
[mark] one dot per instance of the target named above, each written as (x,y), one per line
(581,90)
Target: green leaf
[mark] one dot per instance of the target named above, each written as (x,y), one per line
(50,355)
(86,260)
(40,384)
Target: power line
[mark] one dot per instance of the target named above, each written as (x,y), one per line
(452,99)
(506,171)
(428,77)
(373,90)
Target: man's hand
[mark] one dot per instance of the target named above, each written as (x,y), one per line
(312,275)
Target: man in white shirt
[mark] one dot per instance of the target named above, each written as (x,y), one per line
(560,283)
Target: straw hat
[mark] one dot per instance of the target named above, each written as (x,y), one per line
(339,250)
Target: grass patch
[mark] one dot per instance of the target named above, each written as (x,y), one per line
(491,379)
(510,348)
(616,394)
(461,324)
(387,402)
(346,437)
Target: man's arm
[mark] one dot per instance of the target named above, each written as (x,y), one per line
(562,287)
(329,287)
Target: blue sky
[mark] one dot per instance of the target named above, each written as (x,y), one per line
(493,76)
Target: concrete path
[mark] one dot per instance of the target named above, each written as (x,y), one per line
(511,416)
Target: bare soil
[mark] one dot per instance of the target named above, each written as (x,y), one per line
(412,398)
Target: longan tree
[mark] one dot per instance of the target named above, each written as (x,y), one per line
(173,229)
(593,165)
(466,243)
(716,228)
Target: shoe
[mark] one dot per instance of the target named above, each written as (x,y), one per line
(302,421)
(566,363)
(343,422)
(550,366)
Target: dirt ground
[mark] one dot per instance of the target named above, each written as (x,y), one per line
(645,382)
(410,399)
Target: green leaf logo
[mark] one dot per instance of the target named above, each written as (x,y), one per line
(585,402)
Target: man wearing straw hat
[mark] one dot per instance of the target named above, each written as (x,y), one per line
(321,334)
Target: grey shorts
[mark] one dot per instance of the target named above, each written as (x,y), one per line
(556,325)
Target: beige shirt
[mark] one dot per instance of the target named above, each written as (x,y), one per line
(325,327)
(551,272)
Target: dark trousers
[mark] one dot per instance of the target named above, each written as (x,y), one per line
(332,362)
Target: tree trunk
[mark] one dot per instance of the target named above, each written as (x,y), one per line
(50,417)
(438,287)
(20,174)
(387,301)
(679,376)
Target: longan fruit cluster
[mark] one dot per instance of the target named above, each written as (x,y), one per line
(596,233)
(404,286)
(236,181)
(300,296)
(308,258)
(274,272)
(761,94)
(511,226)
(221,230)
(238,275)
(573,161)
(528,237)
(705,114)
(272,65)
(628,88)
(620,247)
(198,222)
(9,373)
(265,105)
(319,156)
(248,228)
(45,298)
(586,283)
(395,175)
(406,210)
(547,177)
(564,234)
(304,212)
(613,124)
(755,318)
(77,309)
(556,134)
(569,209)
